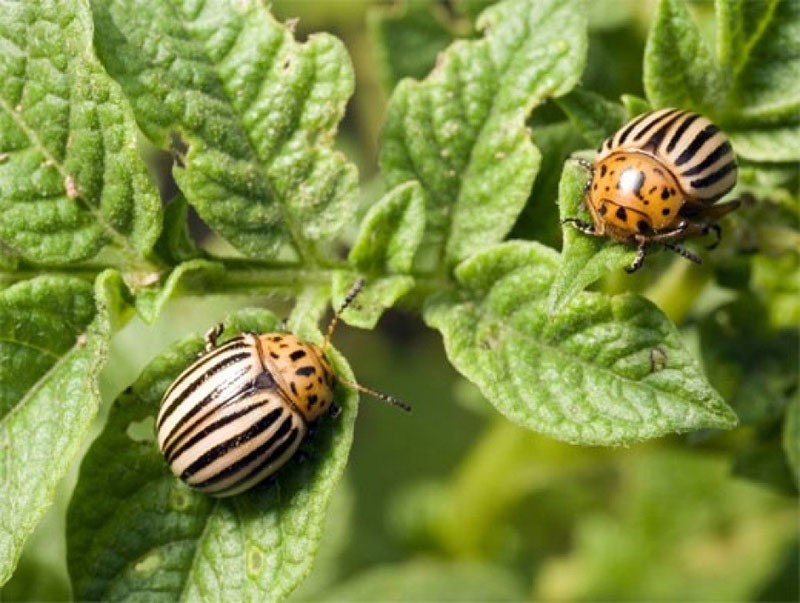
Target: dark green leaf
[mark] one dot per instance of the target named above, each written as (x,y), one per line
(599,371)
(257,110)
(71,181)
(55,333)
(461,132)
(255,546)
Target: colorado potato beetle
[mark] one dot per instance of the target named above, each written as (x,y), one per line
(655,181)
(241,410)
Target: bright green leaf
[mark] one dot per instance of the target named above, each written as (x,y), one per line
(585,258)
(257,110)
(461,132)
(255,546)
(430,580)
(391,232)
(770,144)
(539,220)
(376,296)
(600,371)
(71,181)
(55,336)
(680,70)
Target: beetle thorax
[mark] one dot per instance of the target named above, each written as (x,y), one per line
(301,371)
(633,192)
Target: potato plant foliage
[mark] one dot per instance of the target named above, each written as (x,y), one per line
(176,163)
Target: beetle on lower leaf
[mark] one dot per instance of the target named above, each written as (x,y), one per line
(241,410)
(656,181)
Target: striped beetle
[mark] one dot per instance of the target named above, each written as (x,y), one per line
(241,410)
(656,180)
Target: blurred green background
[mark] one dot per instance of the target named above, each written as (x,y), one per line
(452,501)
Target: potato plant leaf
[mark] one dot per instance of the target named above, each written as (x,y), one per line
(54,336)
(680,70)
(749,87)
(602,370)
(135,530)
(257,110)
(584,258)
(461,132)
(71,181)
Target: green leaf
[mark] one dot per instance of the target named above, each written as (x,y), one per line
(257,110)
(192,276)
(539,220)
(175,244)
(584,258)
(791,437)
(592,115)
(780,143)
(407,38)
(391,232)
(71,181)
(376,296)
(255,546)
(600,371)
(759,46)
(461,132)
(383,252)
(430,580)
(55,334)
(679,68)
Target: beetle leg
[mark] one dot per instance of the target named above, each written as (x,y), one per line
(581,225)
(334,411)
(212,335)
(682,251)
(641,251)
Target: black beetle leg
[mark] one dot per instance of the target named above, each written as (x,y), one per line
(683,252)
(212,335)
(717,230)
(641,251)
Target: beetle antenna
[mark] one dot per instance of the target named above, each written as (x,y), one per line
(351,295)
(380,396)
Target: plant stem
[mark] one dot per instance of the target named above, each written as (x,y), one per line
(677,289)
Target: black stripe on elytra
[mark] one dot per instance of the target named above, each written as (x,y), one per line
(711,159)
(653,124)
(276,454)
(695,145)
(712,179)
(627,131)
(234,468)
(207,358)
(216,452)
(200,377)
(178,447)
(690,119)
(659,134)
